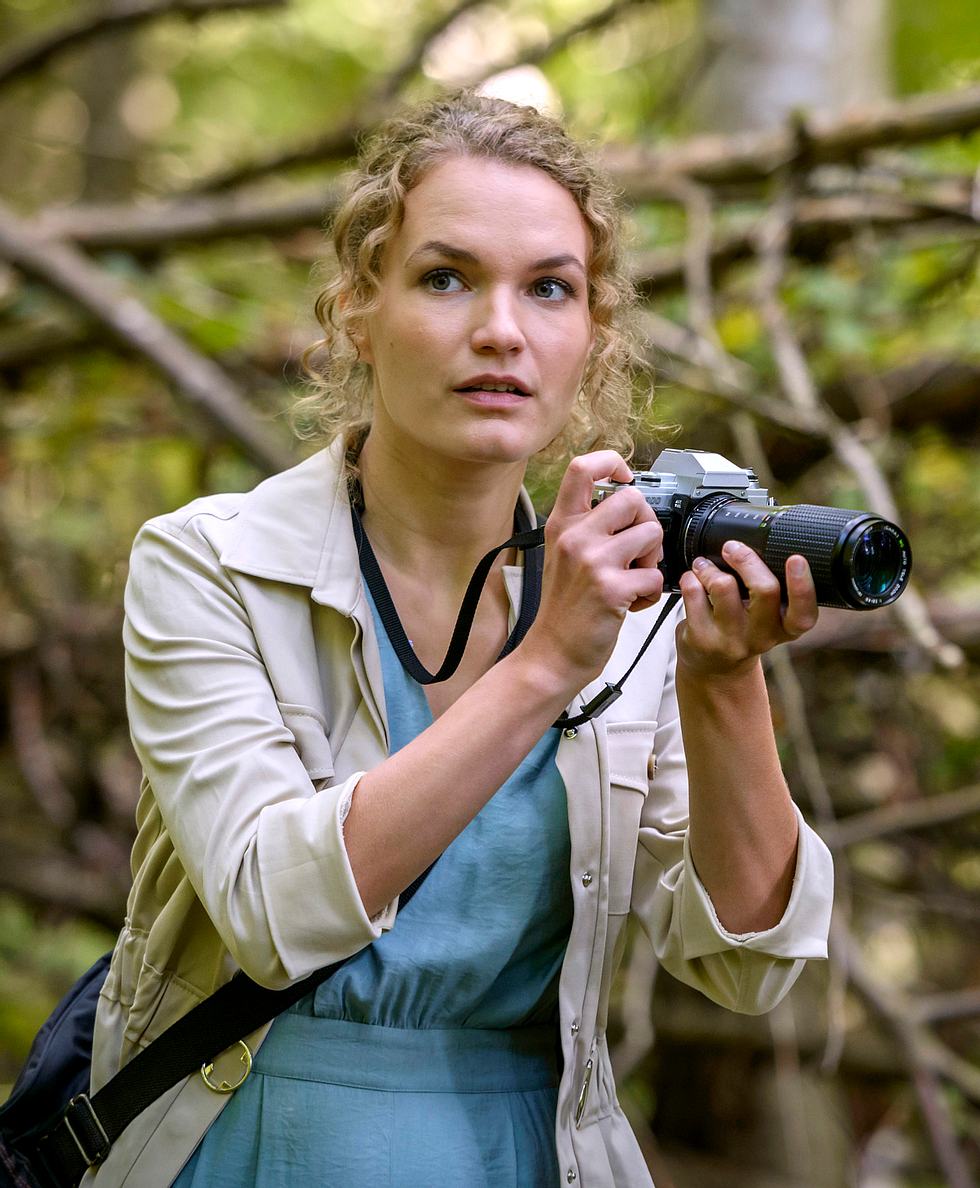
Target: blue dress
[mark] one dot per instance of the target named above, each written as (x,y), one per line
(431,1057)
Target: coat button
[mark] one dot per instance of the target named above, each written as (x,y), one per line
(587,878)
(575,1027)
(651,766)
(570,1175)
(571,732)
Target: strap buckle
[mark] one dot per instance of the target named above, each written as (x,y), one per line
(224,1086)
(90,1137)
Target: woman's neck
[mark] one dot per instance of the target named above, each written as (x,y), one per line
(424,516)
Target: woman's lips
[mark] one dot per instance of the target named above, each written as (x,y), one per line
(490,399)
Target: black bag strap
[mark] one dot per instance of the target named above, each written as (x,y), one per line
(83,1134)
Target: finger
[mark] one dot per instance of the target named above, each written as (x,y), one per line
(801,606)
(724,596)
(575,491)
(697,608)
(621,509)
(647,588)
(639,545)
(762,584)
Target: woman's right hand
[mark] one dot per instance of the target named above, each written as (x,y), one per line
(600,562)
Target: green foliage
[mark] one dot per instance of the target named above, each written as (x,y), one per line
(39,960)
(95,441)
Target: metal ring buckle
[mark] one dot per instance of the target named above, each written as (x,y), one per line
(225,1086)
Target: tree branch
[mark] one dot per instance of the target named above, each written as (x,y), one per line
(186,220)
(753,157)
(801,391)
(928,1060)
(341,142)
(877,631)
(816,225)
(925,813)
(540,53)
(122,14)
(199,380)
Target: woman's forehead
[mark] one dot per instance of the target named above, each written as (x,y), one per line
(472,202)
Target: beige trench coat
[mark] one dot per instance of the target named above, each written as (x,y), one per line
(256,702)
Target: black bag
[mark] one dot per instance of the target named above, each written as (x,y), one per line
(57,1068)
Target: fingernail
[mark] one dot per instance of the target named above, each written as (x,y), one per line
(796,566)
(734,548)
(698,563)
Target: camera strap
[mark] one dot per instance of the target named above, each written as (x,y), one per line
(527,537)
(531,541)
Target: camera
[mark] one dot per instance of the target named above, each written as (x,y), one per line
(858,560)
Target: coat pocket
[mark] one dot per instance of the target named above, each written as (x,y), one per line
(631,765)
(309,731)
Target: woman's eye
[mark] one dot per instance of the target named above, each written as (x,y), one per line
(551,289)
(441,281)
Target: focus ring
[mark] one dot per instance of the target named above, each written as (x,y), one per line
(812,531)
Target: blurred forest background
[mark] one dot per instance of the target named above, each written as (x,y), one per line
(803,178)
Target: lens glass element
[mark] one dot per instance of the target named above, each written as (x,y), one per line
(877,562)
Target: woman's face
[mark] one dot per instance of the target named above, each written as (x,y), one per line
(483,286)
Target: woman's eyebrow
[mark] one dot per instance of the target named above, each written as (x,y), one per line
(438,247)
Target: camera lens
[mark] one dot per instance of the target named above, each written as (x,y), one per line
(876,563)
(857,559)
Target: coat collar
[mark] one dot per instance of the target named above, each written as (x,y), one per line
(296,527)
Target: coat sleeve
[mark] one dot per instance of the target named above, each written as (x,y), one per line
(746,972)
(263,847)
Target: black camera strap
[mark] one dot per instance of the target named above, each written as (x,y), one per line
(529,539)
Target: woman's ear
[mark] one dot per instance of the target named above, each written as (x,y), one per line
(356,332)
(361,340)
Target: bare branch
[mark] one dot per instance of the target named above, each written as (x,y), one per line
(196,377)
(390,86)
(815,226)
(877,631)
(900,818)
(58,879)
(122,14)
(928,1060)
(946,1008)
(547,49)
(801,391)
(34,757)
(341,142)
(826,136)
(186,220)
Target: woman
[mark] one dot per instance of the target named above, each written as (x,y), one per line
(297,780)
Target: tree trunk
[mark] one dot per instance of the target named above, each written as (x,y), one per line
(778,56)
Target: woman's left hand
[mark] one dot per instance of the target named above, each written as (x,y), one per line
(723,635)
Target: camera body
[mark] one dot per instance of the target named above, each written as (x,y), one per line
(858,560)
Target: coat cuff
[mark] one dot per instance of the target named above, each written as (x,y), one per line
(802,931)
(303,860)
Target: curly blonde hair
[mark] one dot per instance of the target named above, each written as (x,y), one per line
(394,160)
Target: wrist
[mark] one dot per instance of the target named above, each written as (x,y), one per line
(543,670)
(734,681)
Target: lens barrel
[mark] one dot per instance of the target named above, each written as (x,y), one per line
(858,560)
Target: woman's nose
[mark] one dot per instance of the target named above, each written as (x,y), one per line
(498,326)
